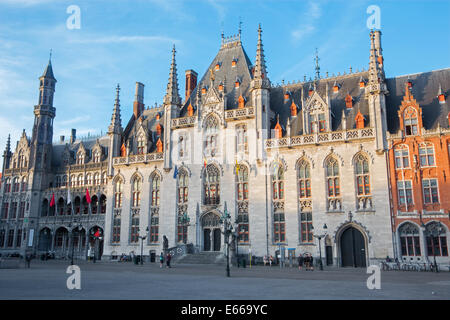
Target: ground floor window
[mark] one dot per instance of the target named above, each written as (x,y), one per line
(410,245)
(116,230)
(306,230)
(437,246)
(279,227)
(10,238)
(243,228)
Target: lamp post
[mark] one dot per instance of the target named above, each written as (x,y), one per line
(227,230)
(142,244)
(320,246)
(434,231)
(236,235)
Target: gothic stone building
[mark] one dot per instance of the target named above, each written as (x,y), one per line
(304,166)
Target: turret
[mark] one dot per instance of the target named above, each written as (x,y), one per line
(7,154)
(114,133)
(260,86)
(172,103)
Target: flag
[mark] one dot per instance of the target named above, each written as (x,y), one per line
(175,173)
(69,198)
(88,197)
(52,202)
(204,161)
(97,233)
(237,168)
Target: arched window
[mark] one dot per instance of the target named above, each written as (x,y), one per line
(94,204)
(409,239)
(304,180)
(96,156)
(362,175)
(410,121)
(118,189)
(116,228)
(73,181)
(89,179)
(16,185)
(85,206)
(61,206)
(279,229)
(242,203)
(80,158)
(317,122)
(141,144)
(104,178)
(211,185)
(136,190)
(58,182)
(241,138)
(211,135)
(278,183)
(333,181)
(134,229)
(80,180)
(426,155)
(64,181)
(102,204)
(154,209)
(436,239)
(8,185)
(182,187)
(44,211)
(96,178)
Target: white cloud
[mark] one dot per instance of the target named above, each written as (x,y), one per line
(310,17)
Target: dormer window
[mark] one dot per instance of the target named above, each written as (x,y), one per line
(336,87)
(220,87)
(359,120)
(362,84)
(190,110)
(96,156)
(410,121)
(233,62)
(204,90)
(241,102)
(349,101)
(237,83)
(80,158)
(141,145)
(217,66)
(158,129)
(293,109)
(287,96)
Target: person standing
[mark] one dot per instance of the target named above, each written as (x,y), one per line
(168,258)
(161,260)
(28,259)
(311,263)
(300,262)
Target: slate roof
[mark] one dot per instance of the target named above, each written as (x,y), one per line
(425,87)
(58,149)
(349,84)
(227,75)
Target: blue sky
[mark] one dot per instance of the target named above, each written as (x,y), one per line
(124,41)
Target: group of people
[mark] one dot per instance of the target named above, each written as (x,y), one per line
(161,260)
(306,260)
(268,260)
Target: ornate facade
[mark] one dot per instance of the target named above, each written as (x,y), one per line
(306,166)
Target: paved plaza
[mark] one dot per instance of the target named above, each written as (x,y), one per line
(125,280)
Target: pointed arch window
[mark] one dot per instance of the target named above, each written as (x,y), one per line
(141,144)
(279,228)
(410,121)
(241,138)
(8,185)
(80,158)
(116,228)
(136,192)
(96,178)
(436,240)
(278,183)
(211,136)
(211,185)
(96,156)
(426,155)
(154,210)
(80,180)
(89,179)
(362,175)
(304,180)
(16,184)
(118,190)
(183,187)
(333,180)
(242,204)
(134,228)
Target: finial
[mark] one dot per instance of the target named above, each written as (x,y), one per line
(50,58)
(317,65)
(240,26)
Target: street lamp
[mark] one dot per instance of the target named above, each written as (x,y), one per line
(433,231)
(320,247)
(227,231)
(142,245)
(236,236)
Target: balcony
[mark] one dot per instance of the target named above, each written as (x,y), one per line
(139,158)
(237,114)
(320,138)
(183,122)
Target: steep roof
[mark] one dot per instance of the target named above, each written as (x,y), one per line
(425,87)
(226,75)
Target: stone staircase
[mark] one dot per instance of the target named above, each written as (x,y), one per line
(202,258)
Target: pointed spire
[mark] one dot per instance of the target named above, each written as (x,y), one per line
(317,67)
(8,144)
(172,96)
(260,63)
(116,122)
(48,72)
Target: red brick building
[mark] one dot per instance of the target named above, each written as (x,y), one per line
(419,165)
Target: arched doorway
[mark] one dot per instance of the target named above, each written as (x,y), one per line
(211,232)
(353,248)
(328,251)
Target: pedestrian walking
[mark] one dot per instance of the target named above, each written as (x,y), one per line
(311,263)
(306,260)
(28,259)
(265,260)
(168,258)
(300,262)
(161,260)
(270,260)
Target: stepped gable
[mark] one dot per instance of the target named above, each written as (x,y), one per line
(425,88)
(226,74)
(348,84)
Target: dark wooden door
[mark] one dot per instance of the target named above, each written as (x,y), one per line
(217,239)
(329,254)
(206,239)
(353,248)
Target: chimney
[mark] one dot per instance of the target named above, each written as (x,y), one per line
(61,139)
(73,137)
(191,82)
(138,105)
